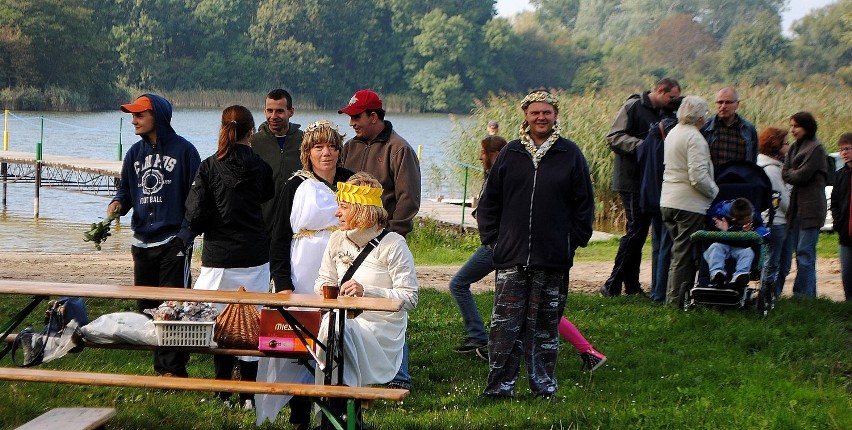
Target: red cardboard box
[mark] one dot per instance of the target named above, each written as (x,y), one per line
(276,334)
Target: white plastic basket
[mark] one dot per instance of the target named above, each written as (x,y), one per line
(184,333)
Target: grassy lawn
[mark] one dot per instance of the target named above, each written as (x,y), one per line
(433,244)
(666,369)
(706,368)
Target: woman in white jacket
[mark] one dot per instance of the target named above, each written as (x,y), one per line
(772,145)
(373,340)
(688,189)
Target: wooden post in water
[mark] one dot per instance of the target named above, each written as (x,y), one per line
(37,187)
(40,141)
(120,126)
(464,196)
(38,169)
(5,139)
(4,173)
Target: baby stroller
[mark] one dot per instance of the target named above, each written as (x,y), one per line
(737,179)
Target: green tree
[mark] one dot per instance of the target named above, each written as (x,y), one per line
(678,42)
(822,41)
(503,48)
(563,12)
(63,50)
(17,65)
(325,48)
(750,45)
(451,48)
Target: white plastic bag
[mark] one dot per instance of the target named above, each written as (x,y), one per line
(121,327)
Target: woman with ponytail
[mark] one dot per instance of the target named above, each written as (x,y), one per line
(224,205)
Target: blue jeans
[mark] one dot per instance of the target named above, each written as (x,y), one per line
(846,270)
(717,253)
(661,257)
(478,266)
(402,376)
(804,242)
(779,256)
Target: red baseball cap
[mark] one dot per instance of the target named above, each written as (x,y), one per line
(361,101)
(141,104)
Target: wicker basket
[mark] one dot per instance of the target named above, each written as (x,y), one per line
(184,333)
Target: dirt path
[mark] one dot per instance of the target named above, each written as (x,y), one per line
(116,268)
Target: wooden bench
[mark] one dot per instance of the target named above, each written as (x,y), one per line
(70,419)
(199,384)
(352,395)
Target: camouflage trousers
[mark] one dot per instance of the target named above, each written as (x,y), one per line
(528,304)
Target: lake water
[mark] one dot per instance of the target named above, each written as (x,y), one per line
(64,215)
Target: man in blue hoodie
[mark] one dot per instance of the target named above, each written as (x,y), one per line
(156,177)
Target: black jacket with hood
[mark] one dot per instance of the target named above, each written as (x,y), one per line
(224,204)
(840,205)
(537,216)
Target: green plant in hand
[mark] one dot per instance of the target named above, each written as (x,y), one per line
(100,230)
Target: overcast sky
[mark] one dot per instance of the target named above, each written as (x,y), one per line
(795,10)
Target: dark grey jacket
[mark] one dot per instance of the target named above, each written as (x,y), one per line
(629,129)
(805,169)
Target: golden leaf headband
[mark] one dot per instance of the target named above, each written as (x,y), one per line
(351,193)
(540,96)
(314,126)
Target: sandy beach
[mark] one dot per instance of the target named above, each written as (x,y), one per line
(117,268)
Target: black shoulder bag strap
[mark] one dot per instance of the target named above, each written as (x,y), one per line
(362,255)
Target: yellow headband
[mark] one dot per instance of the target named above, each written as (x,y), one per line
(361,195)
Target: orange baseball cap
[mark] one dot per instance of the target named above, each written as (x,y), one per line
(141,104)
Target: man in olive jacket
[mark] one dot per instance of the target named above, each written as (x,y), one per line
(279,143)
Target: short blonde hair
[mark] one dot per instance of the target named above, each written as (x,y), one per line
(692,111)
(364,216)
(319,132)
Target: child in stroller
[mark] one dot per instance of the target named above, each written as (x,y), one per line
(733,215)
(737,180)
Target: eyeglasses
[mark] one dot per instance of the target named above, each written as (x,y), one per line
(846,148)
(726,102)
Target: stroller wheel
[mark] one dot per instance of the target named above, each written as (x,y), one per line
(686,300)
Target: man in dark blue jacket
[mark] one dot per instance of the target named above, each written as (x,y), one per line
(729,136)
(156,177)
(536,209)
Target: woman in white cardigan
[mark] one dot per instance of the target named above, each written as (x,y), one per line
(688,189)
(772,145)
(373,340)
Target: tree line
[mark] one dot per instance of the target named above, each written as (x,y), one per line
(428,55)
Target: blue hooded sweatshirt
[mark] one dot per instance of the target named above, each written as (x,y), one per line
(155,180)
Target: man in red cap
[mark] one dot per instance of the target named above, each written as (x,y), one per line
(156,176)
(379,151)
